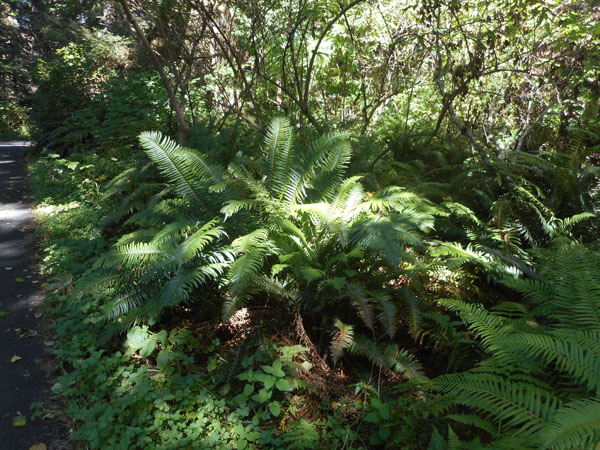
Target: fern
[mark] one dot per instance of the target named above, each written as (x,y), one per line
(279,154)
(389,357)
(285,225)
(540,384)
(190,172)
(342,339)
(575,425)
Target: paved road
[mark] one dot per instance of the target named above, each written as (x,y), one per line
(27,380)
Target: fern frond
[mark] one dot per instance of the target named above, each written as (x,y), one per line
(575,425)
(139,236)
(361,300)
(510,405)
(387,315)
(177,289)
(384,235)
(414,310)
(342,339)
(253,248)
(390,357)
(194,244)
(346,198)
(279,153)
(182,166)
(132,255)
(234,206)
(566,354)
(487,326)
(327,156)
(125,303)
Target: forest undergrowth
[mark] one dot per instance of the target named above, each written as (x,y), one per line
(323,317)
(328,224)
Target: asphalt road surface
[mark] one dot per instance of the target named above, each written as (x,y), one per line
(25,367)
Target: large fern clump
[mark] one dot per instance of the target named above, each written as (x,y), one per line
(286,226)
(324,247)
(540,385)
(177,242)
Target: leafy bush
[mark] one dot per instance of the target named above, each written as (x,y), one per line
(14,120)
(88,98)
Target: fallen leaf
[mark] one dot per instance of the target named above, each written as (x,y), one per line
(19,421)
(4,313)
(15,358)
(40,446)
(8,268)
(28,333)
(19,280)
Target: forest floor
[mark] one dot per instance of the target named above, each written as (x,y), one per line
(28,418)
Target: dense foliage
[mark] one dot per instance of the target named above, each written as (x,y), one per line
(375,226)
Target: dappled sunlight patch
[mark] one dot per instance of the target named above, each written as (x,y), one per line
(50,210)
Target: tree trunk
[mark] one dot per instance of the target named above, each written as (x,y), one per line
(175,105)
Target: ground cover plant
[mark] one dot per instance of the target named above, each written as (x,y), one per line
(317,224)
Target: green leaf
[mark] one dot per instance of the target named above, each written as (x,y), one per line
(277,365)
(248,389)
(283,385)
(241,444)
(39,446)
(19,421)
(15,358)
(275,408)
(19,280)
(372,417)
(4,313)
(148,348)
(163,359)
(136,338)
(262,396)
(384,412)
(162,336)
(269,381)
(384,432)
(253,436)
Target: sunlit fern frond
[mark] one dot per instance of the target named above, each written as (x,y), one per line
(342,339)
(279,152)
(191,172)
(323,165)
(251,251)
(196,242)
(385,235)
